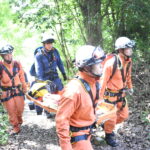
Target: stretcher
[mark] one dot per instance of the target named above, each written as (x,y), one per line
(104,111)
(41,104)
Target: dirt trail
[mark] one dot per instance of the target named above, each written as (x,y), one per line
(39,133)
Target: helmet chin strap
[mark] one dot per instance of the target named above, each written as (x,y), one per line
(126,57)
(8,61)
(89,72)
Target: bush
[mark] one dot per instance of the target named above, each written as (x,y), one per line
(3,126)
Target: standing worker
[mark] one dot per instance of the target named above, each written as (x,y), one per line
(47,59)
(115,81)
(75,117)
(12,87)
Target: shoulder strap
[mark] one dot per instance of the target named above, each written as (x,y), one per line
(122,72)
(16,68)
(1,69)
(15,71)
(127,69)
(43,53)
(88,89)
(9,74)
(114,67)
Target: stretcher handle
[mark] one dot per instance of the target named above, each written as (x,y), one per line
(40,104)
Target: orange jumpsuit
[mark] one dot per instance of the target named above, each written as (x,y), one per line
(14,105)
(115,84)
(75,109)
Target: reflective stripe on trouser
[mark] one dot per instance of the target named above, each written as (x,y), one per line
(83,145)
(15,107)
(121,115)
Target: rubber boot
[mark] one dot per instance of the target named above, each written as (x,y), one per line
(110,139)
(39,110)
(49,115)
(31,105)
(102,125)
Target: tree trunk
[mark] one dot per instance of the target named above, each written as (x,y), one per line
(92,20)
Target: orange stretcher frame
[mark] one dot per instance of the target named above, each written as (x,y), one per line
(110,109)
(108,113)
(40,104)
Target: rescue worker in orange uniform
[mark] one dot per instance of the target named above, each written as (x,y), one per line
(115,82)
(76,114)
(12,87)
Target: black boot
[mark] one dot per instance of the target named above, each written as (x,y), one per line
(39,110)
(49,115)
(110,139)
(102,125)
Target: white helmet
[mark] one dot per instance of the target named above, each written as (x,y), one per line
(6,49)
(47,39)
(88,55)
(124,42)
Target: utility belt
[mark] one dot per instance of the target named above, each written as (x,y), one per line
(51,74)
(11,92)
(80,137)
(11,88)
(121,99)
(110,93)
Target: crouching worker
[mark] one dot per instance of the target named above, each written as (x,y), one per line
(12,87)
(76,109)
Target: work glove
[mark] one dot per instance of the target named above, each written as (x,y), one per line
(64,76)
(130,91)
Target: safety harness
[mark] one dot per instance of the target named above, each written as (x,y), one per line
(11,91)
(50,59)
(77,129)
(109,93)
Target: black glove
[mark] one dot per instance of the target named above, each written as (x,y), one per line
(64,76)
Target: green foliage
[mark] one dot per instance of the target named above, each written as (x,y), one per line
(15,34)
(55,17)
(3,126)
(22,23)
(145,117)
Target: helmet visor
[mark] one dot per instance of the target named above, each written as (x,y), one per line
(130,44)
(48,41)
(97,57)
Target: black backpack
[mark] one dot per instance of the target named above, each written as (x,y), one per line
(32,69)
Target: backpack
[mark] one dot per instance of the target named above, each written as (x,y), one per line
(32,69)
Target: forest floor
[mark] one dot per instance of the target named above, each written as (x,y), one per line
(39,133)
